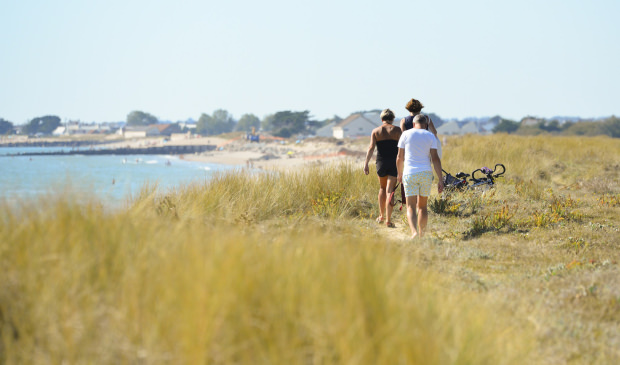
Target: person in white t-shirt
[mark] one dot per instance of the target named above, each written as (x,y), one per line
(414,107)
(417,147)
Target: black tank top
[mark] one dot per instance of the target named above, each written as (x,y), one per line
(387,150)
(408,122)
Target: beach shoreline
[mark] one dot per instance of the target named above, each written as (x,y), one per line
(268,153)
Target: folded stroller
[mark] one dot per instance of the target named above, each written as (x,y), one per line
(459,181)
(456,182)
(488,176)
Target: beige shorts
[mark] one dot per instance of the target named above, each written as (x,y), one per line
(418,184)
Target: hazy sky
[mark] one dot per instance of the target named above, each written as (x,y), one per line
(99,60)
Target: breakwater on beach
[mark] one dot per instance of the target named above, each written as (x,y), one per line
(159,150)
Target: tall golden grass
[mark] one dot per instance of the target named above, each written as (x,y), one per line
(545,158)
(290,268)
(82,286)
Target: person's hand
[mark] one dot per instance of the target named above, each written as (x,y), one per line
(440,187)
(399,178)
(366,171)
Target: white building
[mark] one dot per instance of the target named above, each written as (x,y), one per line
(134,132)
(74,127)
(59,131)
(470,127)
(357,125)
(326,130)
(458,128)
(449,129)
(533,121)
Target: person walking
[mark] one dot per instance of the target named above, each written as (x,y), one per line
(417,147)
(385,139)
(414,107)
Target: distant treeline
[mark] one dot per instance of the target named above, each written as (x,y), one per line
(42,125)
(283,123)
(290,123)
(530,127)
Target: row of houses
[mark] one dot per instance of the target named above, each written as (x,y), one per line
(154,130)
(467,127)
(362,124)
(79,128)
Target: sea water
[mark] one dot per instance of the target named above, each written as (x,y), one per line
(111,179)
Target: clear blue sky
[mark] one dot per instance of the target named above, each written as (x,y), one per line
(99,60)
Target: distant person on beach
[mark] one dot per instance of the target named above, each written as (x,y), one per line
(416,148)
(385,139)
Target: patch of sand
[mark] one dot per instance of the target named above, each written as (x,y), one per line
(274,154)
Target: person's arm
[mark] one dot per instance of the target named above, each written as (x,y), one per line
(437,166)
(431,127)
(400,164)
(402,124)
(371,150)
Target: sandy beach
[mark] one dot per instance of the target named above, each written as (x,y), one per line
(279,154)
(268,153)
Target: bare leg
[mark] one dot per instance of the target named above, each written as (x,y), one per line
(382,197)
(391,183)
(411,214)
(422,214)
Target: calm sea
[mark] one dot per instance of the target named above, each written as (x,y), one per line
(112,179)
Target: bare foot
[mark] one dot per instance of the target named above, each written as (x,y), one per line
(414,236)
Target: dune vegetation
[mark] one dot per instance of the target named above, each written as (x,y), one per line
(291,268)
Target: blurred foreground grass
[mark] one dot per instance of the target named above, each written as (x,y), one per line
(287,268)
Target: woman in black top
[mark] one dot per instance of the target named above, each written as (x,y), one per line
(385,138)
(415,107)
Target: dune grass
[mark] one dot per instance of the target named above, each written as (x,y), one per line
(80,286)
(287,268)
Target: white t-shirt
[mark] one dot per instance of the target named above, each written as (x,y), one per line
(417,144)
(438,147)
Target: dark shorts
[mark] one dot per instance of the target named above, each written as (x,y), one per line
(385,168)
